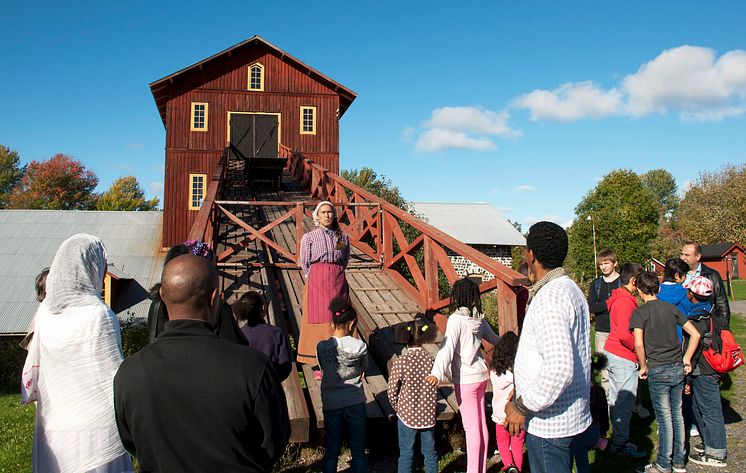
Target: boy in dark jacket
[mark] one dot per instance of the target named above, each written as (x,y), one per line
(598,293)
(706,404)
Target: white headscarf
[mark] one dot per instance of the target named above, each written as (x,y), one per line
(71,363)
(76,276)
(315,212)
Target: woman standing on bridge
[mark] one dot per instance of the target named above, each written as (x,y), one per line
(324,253)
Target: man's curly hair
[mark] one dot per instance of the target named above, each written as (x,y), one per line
(548,242)
(504,354)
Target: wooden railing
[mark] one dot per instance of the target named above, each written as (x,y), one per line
(204,227)
(415,254)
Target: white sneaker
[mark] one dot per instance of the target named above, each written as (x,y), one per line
(693,431)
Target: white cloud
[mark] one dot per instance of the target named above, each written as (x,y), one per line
(571,101)
(470,128)
(504,210)
(135,146)
(688,80)
(525,188)
(471,120)
(438,139)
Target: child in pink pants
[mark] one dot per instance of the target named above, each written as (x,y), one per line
(501,376)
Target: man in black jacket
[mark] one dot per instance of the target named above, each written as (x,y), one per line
(191,402)
(691,254)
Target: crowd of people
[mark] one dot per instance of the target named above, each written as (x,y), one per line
(205,394)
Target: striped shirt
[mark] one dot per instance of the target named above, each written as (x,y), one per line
(320,246)
(553,363)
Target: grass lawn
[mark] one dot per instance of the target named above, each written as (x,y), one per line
(16,433)
(739,289)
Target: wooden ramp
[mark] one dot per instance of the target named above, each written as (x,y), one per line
(396,267)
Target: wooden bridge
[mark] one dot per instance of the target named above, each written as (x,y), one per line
(399,266)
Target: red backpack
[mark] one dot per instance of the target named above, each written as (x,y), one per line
(729,357)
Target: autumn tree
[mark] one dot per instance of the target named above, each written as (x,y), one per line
(125,193)
(714,208)
(10,173)
(625,213)
(60,183)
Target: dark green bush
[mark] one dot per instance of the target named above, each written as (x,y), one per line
(135,334)
(12,357)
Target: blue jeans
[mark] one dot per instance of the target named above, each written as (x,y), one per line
(582,444)
(349,420)
(666,383)
(407,436)
(708,413)
(556,455)
(622,395)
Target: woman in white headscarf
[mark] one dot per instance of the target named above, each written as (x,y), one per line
(70,367)
(324,253)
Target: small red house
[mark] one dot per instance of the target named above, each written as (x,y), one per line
(253,96)
(728,259)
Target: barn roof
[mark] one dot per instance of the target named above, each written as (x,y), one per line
(718,250)
(159,87)
(474,224)
(30,239)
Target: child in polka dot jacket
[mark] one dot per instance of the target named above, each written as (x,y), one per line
(413,399)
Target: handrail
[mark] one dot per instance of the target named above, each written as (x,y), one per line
(323,184)
(203,228)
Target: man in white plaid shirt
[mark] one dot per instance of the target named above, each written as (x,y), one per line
(553,364)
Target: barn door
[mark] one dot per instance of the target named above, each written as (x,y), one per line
(254,136)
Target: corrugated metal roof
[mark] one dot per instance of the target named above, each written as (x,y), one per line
(474,224)
(30,239)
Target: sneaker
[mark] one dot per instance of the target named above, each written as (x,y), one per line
(699,447)
(652,468)
(694,431)
(678,468)
(629,450)
(708,460)
(512,469)
(641,412)
(317,375)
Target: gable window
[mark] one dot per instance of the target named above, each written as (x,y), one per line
(308,120)
(197,184)
(256,77)
(199,116)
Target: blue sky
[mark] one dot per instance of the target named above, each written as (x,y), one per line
(524,105)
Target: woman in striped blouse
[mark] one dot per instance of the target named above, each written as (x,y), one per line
(324,253)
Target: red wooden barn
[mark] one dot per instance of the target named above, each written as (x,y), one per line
(725,258)
(252,96)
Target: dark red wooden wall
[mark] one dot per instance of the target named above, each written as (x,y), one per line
(222,83)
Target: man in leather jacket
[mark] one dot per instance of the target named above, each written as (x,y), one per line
(691,254)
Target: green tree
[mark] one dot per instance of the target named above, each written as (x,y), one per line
(663,185)
(60,183)
(10,173)
(125,193)
(381,186)
(625,215)
(714,208)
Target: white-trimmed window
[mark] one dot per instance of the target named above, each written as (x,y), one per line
(307,120)
(199,116)
(197,189)
(256,77)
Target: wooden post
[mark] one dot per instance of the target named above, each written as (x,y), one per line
(299,216)
(507,308)
(431,273)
